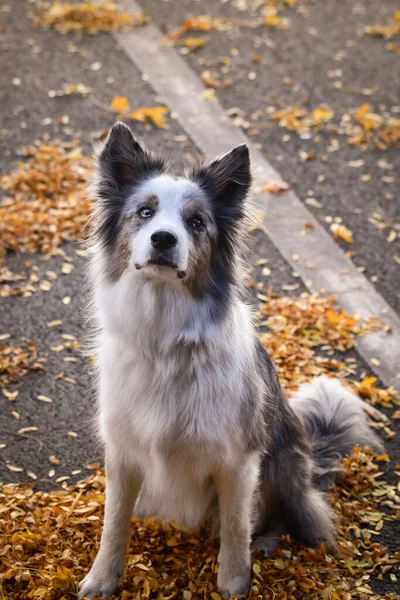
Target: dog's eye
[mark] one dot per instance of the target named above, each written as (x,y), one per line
(146,212)
(197,222)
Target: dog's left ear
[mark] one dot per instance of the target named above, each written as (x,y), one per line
(227,180)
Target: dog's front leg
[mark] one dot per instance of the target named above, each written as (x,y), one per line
(122,488)
(235,488)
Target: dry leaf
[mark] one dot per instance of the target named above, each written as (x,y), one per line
(85,17)
(276,187)
(154,114)
(43,398)
(14,469)
(46,201)
(341,231)
(194,43)
(120,104)
(209,81)
(10,395)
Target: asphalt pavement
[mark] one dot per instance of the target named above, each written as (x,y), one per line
(300,66)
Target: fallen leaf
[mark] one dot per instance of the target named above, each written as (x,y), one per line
(120,104)
(341,231)
(10,395)
(209,81)
(14,469)
(85,17)
(194,43)
(44,398)
(150,114)
(276,187)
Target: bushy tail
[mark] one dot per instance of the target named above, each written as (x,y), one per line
(335,420)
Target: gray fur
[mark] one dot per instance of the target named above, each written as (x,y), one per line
(335,421)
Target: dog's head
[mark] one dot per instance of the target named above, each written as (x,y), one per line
(180,230)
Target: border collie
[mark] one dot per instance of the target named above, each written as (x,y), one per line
(195,424)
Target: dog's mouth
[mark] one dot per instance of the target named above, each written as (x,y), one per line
(162,261)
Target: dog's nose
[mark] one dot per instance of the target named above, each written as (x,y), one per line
(163,240)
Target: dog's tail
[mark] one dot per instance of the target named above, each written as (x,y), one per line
(335,420)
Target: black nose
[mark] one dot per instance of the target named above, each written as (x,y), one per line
(163,240)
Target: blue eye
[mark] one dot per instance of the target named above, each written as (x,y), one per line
(146,212)
(197,223)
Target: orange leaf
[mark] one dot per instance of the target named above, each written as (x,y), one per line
(150,114)
(276,187)
(272,20)
(120,104)
(368,382)
(322,114)
(334,317)
(341,231)
(361,112)
(200,23)
(194,43)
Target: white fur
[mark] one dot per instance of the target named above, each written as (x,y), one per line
(141,403)
(168,218)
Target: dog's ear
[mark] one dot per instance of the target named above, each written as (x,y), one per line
(227,180)
(123,162)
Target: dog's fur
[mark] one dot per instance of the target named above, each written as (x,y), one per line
(195,423)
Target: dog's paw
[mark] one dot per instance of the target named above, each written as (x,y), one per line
(97,583)
(230,585)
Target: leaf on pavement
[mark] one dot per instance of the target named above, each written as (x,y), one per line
(276,187)
(120,104)
(341,231)
(153,114)
(194,43)
(85,17)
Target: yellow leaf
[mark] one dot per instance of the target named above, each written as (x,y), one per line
(10,395)
(334,317)
(362,111)
(209,95)
(272,20)
(322,114)
(146,588)
(341,231)
(120,104)
(193,43)
(368,382)
(150,114)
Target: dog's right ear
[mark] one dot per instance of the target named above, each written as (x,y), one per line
(123,162)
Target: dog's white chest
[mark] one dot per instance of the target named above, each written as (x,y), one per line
(175,429)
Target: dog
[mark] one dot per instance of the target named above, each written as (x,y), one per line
(195,423)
